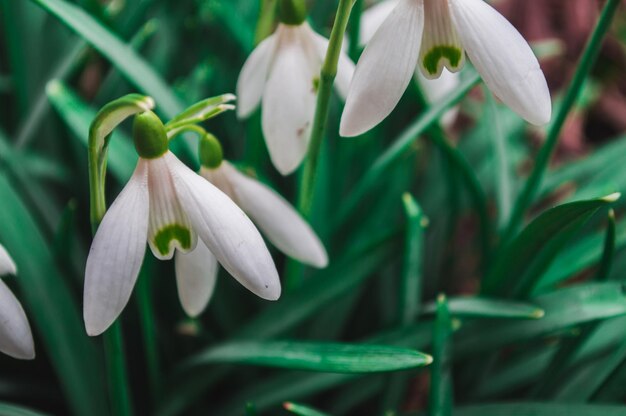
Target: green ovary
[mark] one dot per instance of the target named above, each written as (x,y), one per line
(432,58)
(170,233)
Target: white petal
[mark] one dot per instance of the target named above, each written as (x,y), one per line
(345,67)
(169,226)
(289,100)
(278,220)
(384,70)
(437,89)
(16,338)
(503,58)
(196,275)
(253,76)
(227,232)
(373,18)
(7,265)
(116,254)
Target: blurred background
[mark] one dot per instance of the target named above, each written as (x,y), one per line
(53,80)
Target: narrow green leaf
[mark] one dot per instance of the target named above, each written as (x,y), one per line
(78,116)
(309,356)
(606,262)
(539,409)
(440,399)
(131,64)
(523,261)
(202,111)
(302,410)
(411,284)
(45,295)
(563,309)
(477,307)
(7,409)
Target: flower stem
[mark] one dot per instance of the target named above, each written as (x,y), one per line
(327,78)
(587,61)
(267,15)
(355,30)
(117,376)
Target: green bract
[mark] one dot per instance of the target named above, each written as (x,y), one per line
(292,12)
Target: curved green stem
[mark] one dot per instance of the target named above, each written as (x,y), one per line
(327,78)
(588,59)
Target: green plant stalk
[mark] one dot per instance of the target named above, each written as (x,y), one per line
(117,376)
(327,78)
(587,61)
(606,262)
(355,30)
(148,328)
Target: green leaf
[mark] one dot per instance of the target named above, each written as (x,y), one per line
(131,64)
(539,409)
(7,409)
(440,399)
(302,410)
(519,266)
(476,307)
(50,306)
(310,356)
(563,309)
(78,117)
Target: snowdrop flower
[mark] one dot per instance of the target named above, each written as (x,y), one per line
(173,209)
(434,89)
(16,338)
(276,218)
(434,34)
(282,75)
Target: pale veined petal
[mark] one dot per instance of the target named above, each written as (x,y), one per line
(372,18)
(116,254)
(437,89)
(169,226)
(440,47)
(345,66)
(16,338)
(384,70)
(289,100)
(503,58)
(7,266)
(196,275)
(227,231)
(278,220)
(253,76)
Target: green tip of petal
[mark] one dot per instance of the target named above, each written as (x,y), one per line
(171,233)
(432,58)
(149,135)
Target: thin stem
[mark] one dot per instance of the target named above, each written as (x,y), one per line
(148,327)
(588,59)
(355,30)
(327,78)
(267,15)
(117,376)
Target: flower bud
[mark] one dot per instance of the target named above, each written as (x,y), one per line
(210,151)
(292,12)
(149,135)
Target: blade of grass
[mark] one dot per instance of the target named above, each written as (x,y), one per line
(476,307)
(302,410)
(539,409)
(440,399)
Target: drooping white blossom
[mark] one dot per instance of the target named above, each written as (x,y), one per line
(437,34)
(282,75)
(16,338)
(171,208)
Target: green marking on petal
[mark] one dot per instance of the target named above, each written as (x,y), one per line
(432,58)
(170,233)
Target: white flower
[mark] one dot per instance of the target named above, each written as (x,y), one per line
(283,73)
(434,34)
(16,338)
(434,89)
(172,208)
(278,220)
